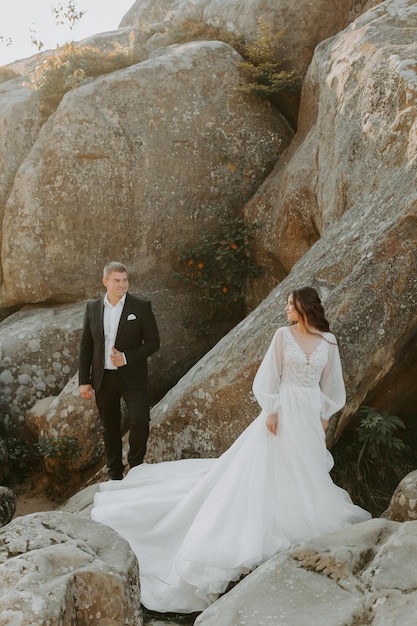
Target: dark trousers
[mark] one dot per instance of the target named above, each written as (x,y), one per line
(108,402)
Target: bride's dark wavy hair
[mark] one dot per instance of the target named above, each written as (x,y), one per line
(308,305)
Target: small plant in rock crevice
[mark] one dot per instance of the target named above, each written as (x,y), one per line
(263,63)
(371,459)
(70,65)
(217,267)
(263,57)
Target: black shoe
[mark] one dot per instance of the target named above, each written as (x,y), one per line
(135,464)
(115,474)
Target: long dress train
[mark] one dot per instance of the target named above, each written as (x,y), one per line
(197,524)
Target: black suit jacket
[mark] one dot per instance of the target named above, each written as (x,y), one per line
(137,336)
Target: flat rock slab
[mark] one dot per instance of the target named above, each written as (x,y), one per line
(361,575)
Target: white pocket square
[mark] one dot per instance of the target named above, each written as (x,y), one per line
(132,316)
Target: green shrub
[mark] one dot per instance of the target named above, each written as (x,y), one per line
(57,456)
(217,266)
(263,65)
(263,58)
(20,455)
(372,459)
(193,30)
(68,68)
(67,448)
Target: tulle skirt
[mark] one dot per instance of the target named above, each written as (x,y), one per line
(197,524)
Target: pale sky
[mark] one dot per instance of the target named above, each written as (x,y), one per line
(17,17)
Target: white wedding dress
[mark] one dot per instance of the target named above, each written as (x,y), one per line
(196,524)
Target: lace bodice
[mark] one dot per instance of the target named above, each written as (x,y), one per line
(286,362)
(299,368)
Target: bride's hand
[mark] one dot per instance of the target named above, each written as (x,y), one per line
(272,423)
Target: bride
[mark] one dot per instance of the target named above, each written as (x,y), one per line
(197,524)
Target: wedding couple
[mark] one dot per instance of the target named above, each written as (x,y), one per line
(197,524)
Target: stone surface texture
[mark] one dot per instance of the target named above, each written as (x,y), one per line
(38,355)
(7,505)
(20,122)
(348,577)
(60,568)
(403,505)
(304,24)
(356,135)
(68,415)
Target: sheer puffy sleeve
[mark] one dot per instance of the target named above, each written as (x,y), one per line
(268,377)
(333,394)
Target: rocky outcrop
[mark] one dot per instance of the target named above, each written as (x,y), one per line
(39,350)
(121,195)
(212,404)
(38,355)
(82,502)
(20,121)
(356,135)
(319,20)
(364,263)
(403,505)
(7,505)
(356,117)
(88,569)
(68,416)
(348,577)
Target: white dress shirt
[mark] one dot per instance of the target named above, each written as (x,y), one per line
(111,321)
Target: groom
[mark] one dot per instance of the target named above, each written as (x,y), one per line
(119,333)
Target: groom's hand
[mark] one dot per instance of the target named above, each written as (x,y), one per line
(117,358)
(86,392)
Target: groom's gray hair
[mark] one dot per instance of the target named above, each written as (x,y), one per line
(113,266)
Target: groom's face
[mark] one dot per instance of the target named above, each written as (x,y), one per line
(116,285)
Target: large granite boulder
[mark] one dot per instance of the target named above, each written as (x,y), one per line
(38,355)
(130,165)
(20,121)
(66,417)
(81,503)
(7,505)
(355,135)
(403,505)
(127,42)
(360,575)
(60,568)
